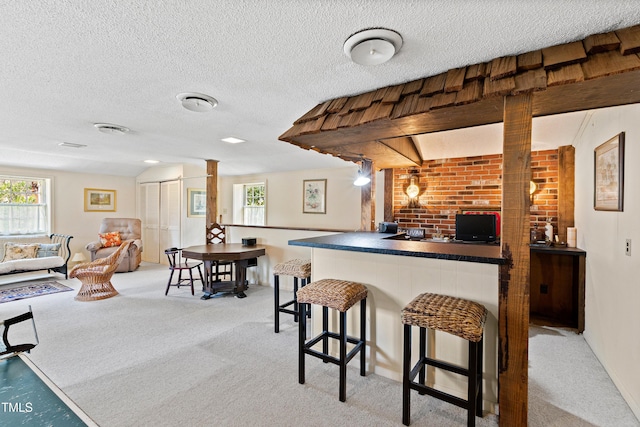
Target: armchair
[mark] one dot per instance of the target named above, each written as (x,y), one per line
(129,229)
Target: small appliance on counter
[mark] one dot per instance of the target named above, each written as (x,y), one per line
(388,227)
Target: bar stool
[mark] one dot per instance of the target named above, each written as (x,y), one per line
(298,268)
(339,295)
(455,316)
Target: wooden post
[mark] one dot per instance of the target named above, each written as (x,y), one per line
(566,189)
(212,193)
(367,204)
(388,195)
(513,305)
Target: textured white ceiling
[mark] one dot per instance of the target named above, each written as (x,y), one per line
(69,64)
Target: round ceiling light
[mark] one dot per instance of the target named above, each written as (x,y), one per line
(373,46)
(110,128)
(197,102)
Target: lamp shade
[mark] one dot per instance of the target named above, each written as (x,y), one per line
(78,257)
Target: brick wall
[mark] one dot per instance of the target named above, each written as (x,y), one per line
(450,185)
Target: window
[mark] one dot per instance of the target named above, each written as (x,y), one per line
(249,203)
(24,205)
(254,202)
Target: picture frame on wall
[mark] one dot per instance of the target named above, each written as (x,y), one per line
(99,200)
(314,196)
(608,190)
(197,206)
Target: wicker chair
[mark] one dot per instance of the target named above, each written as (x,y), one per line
(96,275)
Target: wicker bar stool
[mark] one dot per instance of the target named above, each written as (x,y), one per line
(455,316)
(299,269)
(339,295)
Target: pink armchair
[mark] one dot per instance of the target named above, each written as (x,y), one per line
(129,229)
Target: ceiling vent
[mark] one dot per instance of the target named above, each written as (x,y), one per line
(111,129)
(198,102)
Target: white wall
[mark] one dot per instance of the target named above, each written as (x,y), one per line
(284,198)
(612,316)
(68,215)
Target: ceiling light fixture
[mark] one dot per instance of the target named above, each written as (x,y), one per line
(71,145)
(111,129)
(232,140)
(198,102)
(373,46)
(152,161)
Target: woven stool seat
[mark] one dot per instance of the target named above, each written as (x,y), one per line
(337,294)
(296,267)
(459,317)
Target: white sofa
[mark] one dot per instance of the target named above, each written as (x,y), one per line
(45,259)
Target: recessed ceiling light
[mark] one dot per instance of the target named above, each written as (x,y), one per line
(111,129)
(232,140)
(373,46)
(71,145)
(152,161)
(197,102)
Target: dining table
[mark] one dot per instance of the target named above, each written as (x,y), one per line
(242,256)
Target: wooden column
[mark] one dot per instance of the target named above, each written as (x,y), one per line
(513,305)
(566,189)
(388,195)
(367,203)
(212,192)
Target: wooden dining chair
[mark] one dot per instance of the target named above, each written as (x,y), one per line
(220,269)
(179,264)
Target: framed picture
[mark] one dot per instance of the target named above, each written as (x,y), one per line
(609,175)
(97,200)
(197,206)
(314,196)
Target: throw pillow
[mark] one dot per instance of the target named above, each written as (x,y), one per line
(110,239)
(48,249)
(14,251)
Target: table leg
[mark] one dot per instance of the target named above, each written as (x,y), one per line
(208,288)
(241,277)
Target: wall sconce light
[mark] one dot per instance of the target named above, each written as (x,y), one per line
(362,179)
(413,191)
(533,187)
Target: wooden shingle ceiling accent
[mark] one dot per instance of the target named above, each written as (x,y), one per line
(600,71)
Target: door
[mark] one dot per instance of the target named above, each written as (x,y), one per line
(149,196)
(169,216)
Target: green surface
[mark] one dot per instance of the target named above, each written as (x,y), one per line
(25,400)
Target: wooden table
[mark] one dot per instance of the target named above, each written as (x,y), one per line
(241,256)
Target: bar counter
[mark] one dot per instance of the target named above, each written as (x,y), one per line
(396,270)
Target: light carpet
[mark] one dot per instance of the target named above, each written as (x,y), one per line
(30,290)
(141,358)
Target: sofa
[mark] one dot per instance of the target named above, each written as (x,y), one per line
(21,254)
(114,231)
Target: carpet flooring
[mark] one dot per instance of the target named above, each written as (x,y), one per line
(30,290)
(141,358)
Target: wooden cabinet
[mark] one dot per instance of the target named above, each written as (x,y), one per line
(557,286)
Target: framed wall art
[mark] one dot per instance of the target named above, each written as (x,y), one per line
(608,190)
(197,206)
(314,196)
(97,200)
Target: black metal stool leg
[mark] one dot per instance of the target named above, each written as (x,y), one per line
(295,300)
(423,353)
(302,325)
(472,384)
(343,356)
(276,299)
(325,329)
(406,368)
(480,351)
(363,335)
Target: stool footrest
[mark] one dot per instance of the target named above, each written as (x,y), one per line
(307,348)
(439,364)
(424,389)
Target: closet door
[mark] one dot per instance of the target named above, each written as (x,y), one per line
(149,214)
(169,216)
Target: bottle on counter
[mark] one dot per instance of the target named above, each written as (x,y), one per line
(536,234)
(548,231)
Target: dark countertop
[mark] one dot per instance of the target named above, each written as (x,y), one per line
(396,244)
(558,250)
